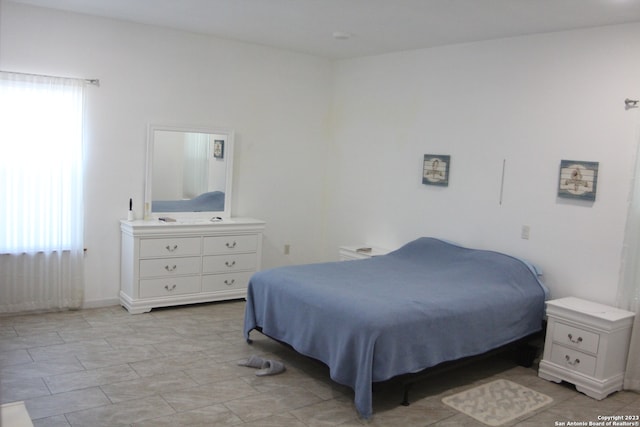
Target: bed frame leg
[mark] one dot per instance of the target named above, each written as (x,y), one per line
(526,355)
(405,396)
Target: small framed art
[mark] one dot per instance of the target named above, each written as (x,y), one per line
(435,170)
(578,180)
(218,148)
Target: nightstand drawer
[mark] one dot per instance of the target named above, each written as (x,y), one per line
(577,338)
(178,246)
(573,360)
(227,244)
(150,288)
(169,266)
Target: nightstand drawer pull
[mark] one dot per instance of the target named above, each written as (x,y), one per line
(231,245)
(229,282)
(166,267)
(169,289)
(576,341)
(568,359)
(172,248)
(229,264)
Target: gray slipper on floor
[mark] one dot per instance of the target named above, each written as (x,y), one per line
(254,362)
(271,367)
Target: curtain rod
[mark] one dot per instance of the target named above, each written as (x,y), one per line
(95,82)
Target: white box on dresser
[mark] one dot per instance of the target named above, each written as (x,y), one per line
(587,345)
(165,264)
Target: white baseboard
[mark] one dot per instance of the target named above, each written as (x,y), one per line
(97,303)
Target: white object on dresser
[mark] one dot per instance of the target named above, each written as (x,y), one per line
(587,345)
(349,253)
(185,262)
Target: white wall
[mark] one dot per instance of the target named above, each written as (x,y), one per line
(338,147)
(531,100)
(276,101)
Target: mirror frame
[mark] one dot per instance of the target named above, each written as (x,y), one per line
(228,154)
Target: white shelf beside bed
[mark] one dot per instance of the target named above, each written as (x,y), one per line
(350,253)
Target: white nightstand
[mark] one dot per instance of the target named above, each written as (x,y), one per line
(587,345)
(349,253)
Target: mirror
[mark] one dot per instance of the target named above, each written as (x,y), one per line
(189,172)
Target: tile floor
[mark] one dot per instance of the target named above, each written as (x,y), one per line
(178,367)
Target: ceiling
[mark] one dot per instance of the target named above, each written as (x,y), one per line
(375,26)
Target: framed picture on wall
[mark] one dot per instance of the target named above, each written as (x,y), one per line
(218,148)
(578,180)
(435,169)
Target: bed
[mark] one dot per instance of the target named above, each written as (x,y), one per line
(370,320)
(205,202)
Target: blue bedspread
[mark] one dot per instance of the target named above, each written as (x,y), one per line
(423,304)
(212,201)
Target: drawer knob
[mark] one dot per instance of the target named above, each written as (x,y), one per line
(168,268)
(229,282)
(229,264)
(568,359)
(172,248)
(231,245)
(576,341)
(169,289)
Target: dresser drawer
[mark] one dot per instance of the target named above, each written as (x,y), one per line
(169,267)
(179,246)
(228,244)
(228,263)
(150,288)
(222,282)
(573,359)
(575,337)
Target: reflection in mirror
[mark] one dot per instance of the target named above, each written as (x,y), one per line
(189,171)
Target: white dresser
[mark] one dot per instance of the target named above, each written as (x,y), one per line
(587,345)
(166,264)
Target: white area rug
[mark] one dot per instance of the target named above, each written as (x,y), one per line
(14,415)
(497,402)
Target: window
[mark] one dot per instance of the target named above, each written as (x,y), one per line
(40,163)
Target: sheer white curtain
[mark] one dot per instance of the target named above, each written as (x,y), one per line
(41,212)
(629,287)
(196,164)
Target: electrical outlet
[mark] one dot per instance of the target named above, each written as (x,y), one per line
(524,234)
(287,249)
